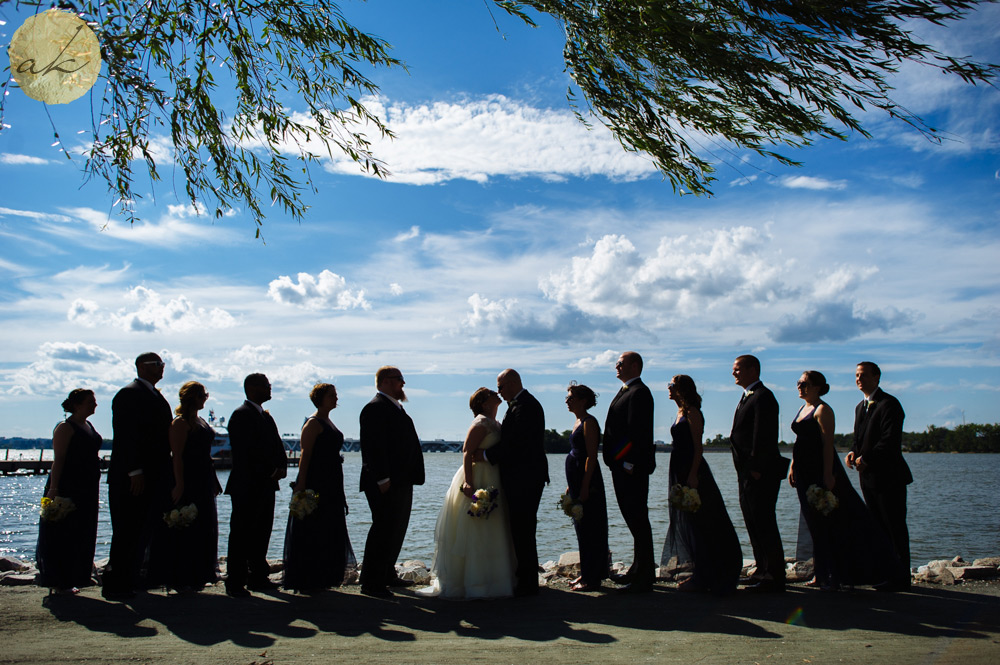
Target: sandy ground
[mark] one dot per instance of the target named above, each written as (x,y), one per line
(930,624)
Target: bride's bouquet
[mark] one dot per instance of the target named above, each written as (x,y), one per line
(685,499)
(56,510)
(303,504)
(822,500)
(484,502)
(178,518)
(571,507)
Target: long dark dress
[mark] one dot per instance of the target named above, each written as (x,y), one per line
(194,549)
(848,546)
(592,529)
(705,539)
(317,547)
(65,550)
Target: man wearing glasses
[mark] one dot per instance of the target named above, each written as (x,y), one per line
(140,465)
(391,464)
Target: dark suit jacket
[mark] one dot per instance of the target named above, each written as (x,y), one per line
(390,447)
(754,437)
(257,451)
(628,430)
(141,421)
(878,439)
(521,451)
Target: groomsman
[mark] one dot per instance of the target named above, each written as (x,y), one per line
(524,472)
(391,464)
(760,470)
(259,462)
(629,452)
(140,460)
(878,457)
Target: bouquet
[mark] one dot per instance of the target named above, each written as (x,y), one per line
(303,504)
(178,518)
(822,500)
(685,499)
(56,510)
(484,502)
(571,507)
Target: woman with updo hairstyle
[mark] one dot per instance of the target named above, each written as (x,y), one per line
(189,557)
(318,550)
(848,546)
(585,486)
(473,551)
(65,550)
(704,541)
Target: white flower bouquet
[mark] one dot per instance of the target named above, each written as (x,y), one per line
(683,498)
(303,504)
(822,500)
(484,502)
(571,507)
(178,518)
(56,510)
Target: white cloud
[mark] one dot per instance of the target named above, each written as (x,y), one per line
(687,274)
(602,360)
(328,290)
(395,289)
(485,311)
(487,137)
(169,231)
(10,158)
(809,182)
(63,366)
(408,235)
(145,311)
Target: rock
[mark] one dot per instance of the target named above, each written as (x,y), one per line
(663,573)
(958,562)
(549,565)
(100,565)
(973,572)
(934,575)
(415,563)
(800,571)
(275,565)
(9,563)
(937,564)
(619,568)
(988,561)
(17,579)
(570,559)
(352,576)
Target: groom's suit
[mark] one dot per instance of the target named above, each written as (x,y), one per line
(878,437)
(754,442)
(628,444)
(524,471)
(390,449)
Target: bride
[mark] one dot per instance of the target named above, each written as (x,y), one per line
(473,556)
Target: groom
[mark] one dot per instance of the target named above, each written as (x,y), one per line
(524,472)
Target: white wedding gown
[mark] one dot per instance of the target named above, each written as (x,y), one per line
(473,556)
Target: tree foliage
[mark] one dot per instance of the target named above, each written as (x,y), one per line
(669,77)
(674,79)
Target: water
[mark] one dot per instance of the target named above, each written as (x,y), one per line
(952,509)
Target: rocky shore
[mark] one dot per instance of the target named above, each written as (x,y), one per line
(15,572)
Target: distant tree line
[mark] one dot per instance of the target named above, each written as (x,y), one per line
(970,438)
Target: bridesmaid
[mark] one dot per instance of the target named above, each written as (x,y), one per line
(193,549)
(317,547)
(705,538)
(585,484)
(65,551)
(848,546)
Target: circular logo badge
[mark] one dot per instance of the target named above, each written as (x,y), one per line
(55,57)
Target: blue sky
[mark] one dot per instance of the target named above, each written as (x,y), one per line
(511,236)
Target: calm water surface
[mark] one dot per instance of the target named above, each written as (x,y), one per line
(952,509)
